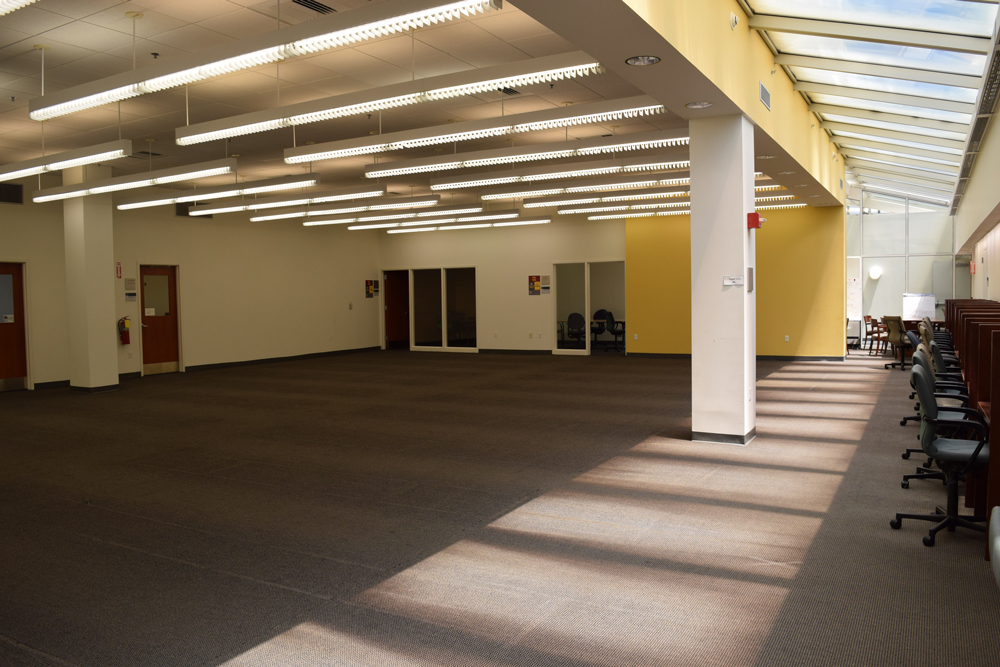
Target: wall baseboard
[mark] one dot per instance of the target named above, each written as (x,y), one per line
(502,351)
(657,355)
(128,376)
(52,385)
(94,390)
(778,357)
(271,360)
(724,438)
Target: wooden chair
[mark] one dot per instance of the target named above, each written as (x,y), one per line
(879,338)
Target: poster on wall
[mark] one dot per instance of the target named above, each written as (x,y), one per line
(546,284)
(369,289)
(534,285)
(854,299)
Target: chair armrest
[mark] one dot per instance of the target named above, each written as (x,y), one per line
(965,400)
(950,385)
(961,423)
(967,411)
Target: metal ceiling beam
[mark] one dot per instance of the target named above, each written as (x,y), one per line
(887,71)
(907,150)
(889,98)
(903,191)
(916,174)
(870,158)
(899,136)
(864,114)
(870,33)
(935,188)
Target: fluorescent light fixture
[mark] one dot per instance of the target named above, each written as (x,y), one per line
(307,38)
(324,197)
(595,185)
(354,207)
(551,151)
(767,188)
(497,215)
(379,226)
(143,180)
(771,207)
(776,198)
(623,207)
(514,223)
(583,114)
(471,82)
(223,192)
(661,163)
(649,214)
(7,6)
(59,161)
(637,195)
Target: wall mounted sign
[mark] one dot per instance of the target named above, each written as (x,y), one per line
(118,269)
(546,284)
(369,289)
(534,285)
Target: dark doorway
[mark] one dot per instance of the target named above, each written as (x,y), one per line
(397,309)
(13,344)
(160,351)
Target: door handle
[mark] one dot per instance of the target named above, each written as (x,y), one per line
(145,326)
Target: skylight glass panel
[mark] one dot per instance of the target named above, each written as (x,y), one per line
(883,84)
(846,145)
(889,107)
(889,163)
(895,127)
(899,181)
(878,53)
(950,16)
(897,142)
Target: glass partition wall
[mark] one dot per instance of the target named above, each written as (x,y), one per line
(444,309)
(572,323)
(906,246)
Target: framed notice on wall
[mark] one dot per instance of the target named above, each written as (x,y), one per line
(534,285)
(369,289)
(854,301)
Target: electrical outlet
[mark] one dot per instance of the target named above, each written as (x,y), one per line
(539,335)
(531,335)
(129,355)
(350,305)
(635,336)
(786,339)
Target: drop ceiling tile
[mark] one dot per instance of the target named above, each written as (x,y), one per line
(364,68)
(30,87)
(33,20)
(144,48)
(151,24)
(240,23)
(191,10)
(87,36)
(538,46)
(9,36)
(22,57)
(404,54)
(78,8)
(192,38)
(97,66)
(468,43)
(508,24)
(304,71)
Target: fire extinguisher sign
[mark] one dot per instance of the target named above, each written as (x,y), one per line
(118,270)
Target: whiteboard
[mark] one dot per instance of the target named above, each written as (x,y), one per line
(918,306)
(854,299)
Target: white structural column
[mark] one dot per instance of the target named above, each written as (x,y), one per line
(90,285)
(723,315)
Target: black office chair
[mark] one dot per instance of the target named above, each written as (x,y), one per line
(897,338)
(616,329)
(995,543)
(576,327)
(597,326)
(955,457)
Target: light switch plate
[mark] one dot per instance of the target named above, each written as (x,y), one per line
(732,280)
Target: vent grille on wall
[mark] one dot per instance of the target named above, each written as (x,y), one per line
(765,97)
(11,193)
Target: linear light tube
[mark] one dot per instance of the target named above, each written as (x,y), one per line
(768,188)
(596,185)
(446,86)
(661,163)
(224,191)
(310,37)
(8,6)
(412,230)
(651,214)
(159,177)
(406,216)
(380,226)
(500,215)
(59,161)
(324,197)
(771,207)
(622,207)
(518,223)
(568,200)
(514,223)
(583,114)
(778,198)
(360,207)
(584,147)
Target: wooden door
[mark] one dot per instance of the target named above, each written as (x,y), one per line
(397,309)
(160,351)
(13,344)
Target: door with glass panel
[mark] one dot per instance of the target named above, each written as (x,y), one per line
(444,309)
(13,342)
(160,349)
(572,322)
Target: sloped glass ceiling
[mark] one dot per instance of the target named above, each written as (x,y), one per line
(901,107)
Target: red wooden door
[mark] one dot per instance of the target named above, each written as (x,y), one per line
(397,309)
(13,347)
(159,316)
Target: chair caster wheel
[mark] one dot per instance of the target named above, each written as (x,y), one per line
(906,455)
(928,541)
(905,483)
(902,422)
(895,524)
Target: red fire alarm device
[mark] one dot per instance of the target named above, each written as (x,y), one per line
(123,332)
(754,221)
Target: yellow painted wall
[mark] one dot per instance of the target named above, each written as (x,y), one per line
(735,61)
(800,283)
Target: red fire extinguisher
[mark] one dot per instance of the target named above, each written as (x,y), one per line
(123,330)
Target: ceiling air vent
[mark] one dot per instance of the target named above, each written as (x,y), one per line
(510,91)
(315,6)
(967,162)
(978,130)
(992,88)
(145,155)
(765,96)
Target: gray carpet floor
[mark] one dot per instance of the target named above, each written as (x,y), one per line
(384,509)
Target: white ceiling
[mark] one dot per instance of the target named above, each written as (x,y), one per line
(92,39)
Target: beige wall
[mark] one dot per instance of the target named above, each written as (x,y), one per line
(252,290)
(33,234)
(504,258)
